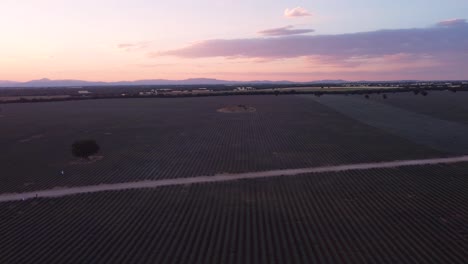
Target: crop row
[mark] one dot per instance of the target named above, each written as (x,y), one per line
(408,215)
(447,106)
(143,140)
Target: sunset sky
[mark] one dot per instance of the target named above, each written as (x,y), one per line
(114,40)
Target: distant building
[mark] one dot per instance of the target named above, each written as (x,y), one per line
(149,93)
(84,92)
(179,92)
(244,88)
(201,90)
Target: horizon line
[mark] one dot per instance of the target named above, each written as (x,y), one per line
(5,81)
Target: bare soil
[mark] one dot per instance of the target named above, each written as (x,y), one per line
(237,109)
(38,136)
(90,160)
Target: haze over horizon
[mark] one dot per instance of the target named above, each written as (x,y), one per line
(118,40)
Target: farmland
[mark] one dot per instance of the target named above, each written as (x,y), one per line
(406,215)
(411,214)
(444,105)
(440,134)
(148,139)
(16,98)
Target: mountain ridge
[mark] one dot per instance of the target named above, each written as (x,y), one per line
(45,82)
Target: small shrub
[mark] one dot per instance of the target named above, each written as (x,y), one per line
(85,148)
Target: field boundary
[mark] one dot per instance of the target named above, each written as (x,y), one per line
(61,192)
(317,91)
(442,135)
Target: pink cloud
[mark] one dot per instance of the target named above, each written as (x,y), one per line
(133,46)
(438,50)
(125,45)
(452,22)
(296,12)
(284,31)
(436,41)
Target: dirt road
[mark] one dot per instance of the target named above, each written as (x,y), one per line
(60,192)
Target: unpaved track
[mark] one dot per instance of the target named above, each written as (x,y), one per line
(53,193)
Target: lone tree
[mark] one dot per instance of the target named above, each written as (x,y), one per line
(85,148)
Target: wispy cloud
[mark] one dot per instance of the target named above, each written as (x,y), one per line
(133,46)
(153,65)
(284,31)
(296,12)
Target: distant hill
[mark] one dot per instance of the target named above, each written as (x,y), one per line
(7,83)
(194,81)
